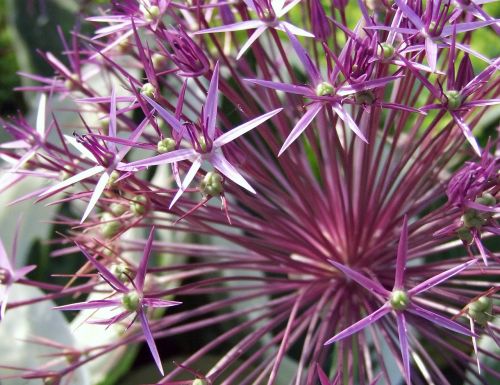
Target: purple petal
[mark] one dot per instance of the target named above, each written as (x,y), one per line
(403,341)
(254,36)
(436,280)
(361,279)
(467,132)
(112,118)
(410,14)
(149,339)
(75,178)
(293,29)
(4,259)
(323,379)
(290,88)
(210,109)
(301,125)
(409,31)
(141,271)
(167,116)
(464,27)
(157,302)
(21,272)
(480,207)
(40,116)
(168,157)
(187,180)
(240,26)
(106,274)
(244,128)
(431,49)
(361,324)
(308,64)
(480,103)
(401,257)
(342,113)
(99,189)
(440,320)
(367,85)
(96,304)
(229,171)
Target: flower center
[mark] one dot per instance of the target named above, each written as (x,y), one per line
(149,90)
(150,13)
(454,99)
(324,88)
(5,276)
(211,184)
(385,50)
(399,300)
(131,301)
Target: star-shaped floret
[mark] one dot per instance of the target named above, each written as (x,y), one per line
(269,13)
(206,147)
(400,301)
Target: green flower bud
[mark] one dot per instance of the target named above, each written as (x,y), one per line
(131,301)
(113,178)
(117,209)
(454,99)
(138,205)
(158,60)
(364,97)
(385,50)
(165,145)
(150,13)
(110,226)
(481,310)
(148,90)
(200,381)
(399,300)
(123,272)
(464,234)
(104,125)
(71,83)
(211,184)
(472,218)
(486,199)
(324,88)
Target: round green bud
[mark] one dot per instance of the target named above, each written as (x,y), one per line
(123,46)
(150,13)
(165,145)
(454,99)
(464,234)
(51,380)
(324,88)
(138,205)
(158,60)
(131,301)
(117,209)
(123,272)
(386,50)
(113,178)
(364,97)
(110,226)
(200,381)
(482,304)
(148,90)
(211,184)
(71,83)
(399,300)
(472,218)
(486,199)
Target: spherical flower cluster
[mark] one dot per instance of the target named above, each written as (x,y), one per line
(329,201)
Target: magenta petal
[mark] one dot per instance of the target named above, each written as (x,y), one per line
(229,171)
(169,157)
(157,302)
(344,115)
(195,166)
(240,26)
(290,88)
(4,259)
(361,279)
(244,128)
(301,125)
(402,255)
(465,27)
(106,274)
(403,341)
(141,270)
(410,14)
(431,52)
(467,132)
(112,118)
(440,320)
(167,116)
(308,64)
(483,208)
(98,190)
(361,324)
(149,339)
(210,109)
(323,378)
(431,282)
(365,86)
(97,304)
(22,271)
(255,35)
